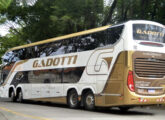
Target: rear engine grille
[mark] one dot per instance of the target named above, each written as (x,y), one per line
(149,67)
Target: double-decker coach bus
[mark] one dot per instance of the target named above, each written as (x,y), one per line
(120,65)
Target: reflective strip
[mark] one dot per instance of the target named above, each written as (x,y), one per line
(150,87)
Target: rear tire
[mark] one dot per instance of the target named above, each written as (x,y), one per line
(72,99)
(89,101)
(13,97)
(20,97)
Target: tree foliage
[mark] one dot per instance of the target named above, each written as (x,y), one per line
(4,4)
(9,41)
(137,9)
(43,19)
(50,18)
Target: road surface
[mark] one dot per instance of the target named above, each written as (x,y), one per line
(48,111)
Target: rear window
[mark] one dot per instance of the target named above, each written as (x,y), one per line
(148,32)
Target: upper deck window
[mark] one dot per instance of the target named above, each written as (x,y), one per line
(71,45)
(149,32)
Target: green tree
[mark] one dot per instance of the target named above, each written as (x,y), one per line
(4,4)
(9,41)
(46,19)
(49,18)
(123,10)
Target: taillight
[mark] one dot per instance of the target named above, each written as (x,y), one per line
(130,81)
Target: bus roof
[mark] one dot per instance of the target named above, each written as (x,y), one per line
(61,37)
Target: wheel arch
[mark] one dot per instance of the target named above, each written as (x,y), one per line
(84,90)
(18,89)
(70,89)
(11,88)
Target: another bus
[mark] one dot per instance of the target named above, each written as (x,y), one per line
(121,65)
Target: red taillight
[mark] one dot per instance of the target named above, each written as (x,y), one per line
(130,81)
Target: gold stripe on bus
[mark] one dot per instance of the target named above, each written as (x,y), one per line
(61,100)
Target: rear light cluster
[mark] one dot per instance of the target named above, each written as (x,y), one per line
(130,81)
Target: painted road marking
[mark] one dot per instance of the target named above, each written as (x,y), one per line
(23,115)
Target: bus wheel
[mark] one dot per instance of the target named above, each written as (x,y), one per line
(13,97)
(20,97)
(89,101)
(72,99)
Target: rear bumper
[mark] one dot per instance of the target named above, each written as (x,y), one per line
(134,99)
(129,99)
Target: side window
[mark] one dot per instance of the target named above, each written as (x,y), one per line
(107,37)
(20,77)
(72,75)
(61,47)
(51,49)
(66,75)
(80,43)
(73,45)
(6,57)
(33,52)
(10,57)
(88,42)
(99,38)
(28,54)
(19,55)
(45,76)
(113,34)
(41,50)
(70,45)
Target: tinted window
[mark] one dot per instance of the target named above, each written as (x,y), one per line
(81,43)
(13,56)
(67,75)
(71,45)
(149,33)
(20,77)
(45,76)
(72,75)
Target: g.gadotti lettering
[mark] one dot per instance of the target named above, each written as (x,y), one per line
(55,61)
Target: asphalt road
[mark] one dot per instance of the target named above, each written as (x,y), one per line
(48,111)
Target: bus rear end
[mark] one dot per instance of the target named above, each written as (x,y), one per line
(145,74)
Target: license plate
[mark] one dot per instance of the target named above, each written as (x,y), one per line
(151,91)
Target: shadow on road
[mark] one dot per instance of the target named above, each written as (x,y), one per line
(129,112)
(139,111)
